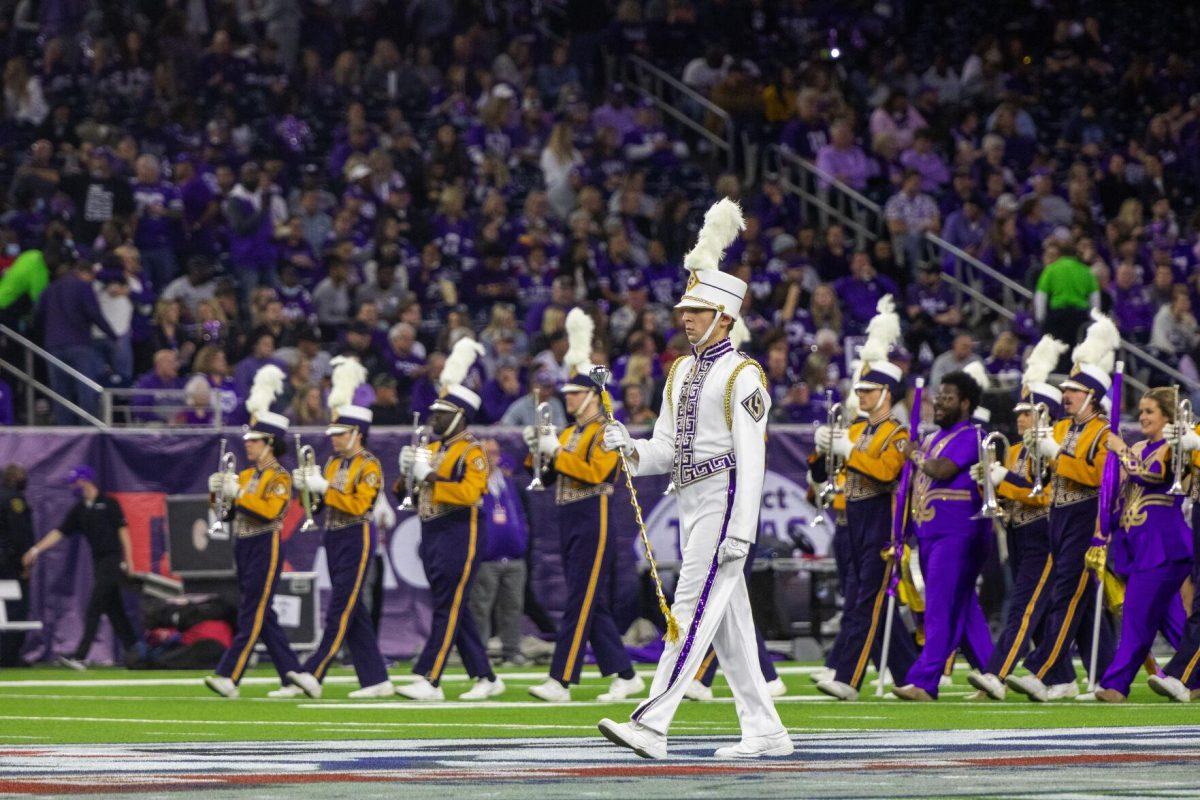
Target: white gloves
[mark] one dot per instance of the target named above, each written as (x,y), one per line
(549,445)
(616,437)
(223,485)
(823,437)
(732,550)
(1047,446)
(311,479)
(839,444)
(408,454)
(422,464)
(1190,441)
(530,435)
(996,473)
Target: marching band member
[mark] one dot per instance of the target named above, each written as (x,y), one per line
(953,544)
(257,499)
(452,474)
(714,444)
(1180,680)
(872,449)
(583,473)
(1153,538)
(1075,448)
(347,491)
(1027,514)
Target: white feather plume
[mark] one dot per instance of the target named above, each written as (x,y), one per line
(722,223)
(739,334)
(580,328)
(1099,346)
(1043,359)
(459,362)
(268,383)
(346,377)
(978,374)
(882,331)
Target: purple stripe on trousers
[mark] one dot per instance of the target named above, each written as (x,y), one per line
(702,602)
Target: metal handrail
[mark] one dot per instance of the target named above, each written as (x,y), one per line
(39,350)
(649,81)
(33,383)
(828,196)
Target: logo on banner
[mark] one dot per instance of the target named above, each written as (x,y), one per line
(785,517)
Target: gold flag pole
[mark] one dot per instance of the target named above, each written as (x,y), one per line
(601,376)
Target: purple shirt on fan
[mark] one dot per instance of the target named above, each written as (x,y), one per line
(945,508)
(155,232)
(859,298)
(495,402)
(933,300)
(504,520)
(851,166)
(803,138)
(1133,309)
(664,282)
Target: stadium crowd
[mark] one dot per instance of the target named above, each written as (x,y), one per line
(195,189)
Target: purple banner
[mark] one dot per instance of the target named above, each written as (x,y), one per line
(142,468)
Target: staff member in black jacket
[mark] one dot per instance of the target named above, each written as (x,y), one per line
(99,519)
(16,536)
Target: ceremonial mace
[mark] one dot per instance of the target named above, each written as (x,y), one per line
(601,376)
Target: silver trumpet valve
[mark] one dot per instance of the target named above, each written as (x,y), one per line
(545,427)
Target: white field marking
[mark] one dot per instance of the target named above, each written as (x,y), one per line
(356,726)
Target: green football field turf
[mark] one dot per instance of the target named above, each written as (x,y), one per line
(58,706)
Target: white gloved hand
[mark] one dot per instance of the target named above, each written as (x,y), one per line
(314,480)
(298,479)
(997,474)
(215,482)
(530,435)
(549,445)
(823,437)
(840,444)
(1046,444)
(223,485)
(1188,440)
(422,464)
(732,550)
(407,454)
(616,437)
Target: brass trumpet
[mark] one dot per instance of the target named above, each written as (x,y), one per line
(1184,421)
(545,427)
(227,463)
(1037,462)
(306,457)
(987,456)
(420,439)
(837,424)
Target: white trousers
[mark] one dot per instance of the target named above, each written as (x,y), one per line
(713,608)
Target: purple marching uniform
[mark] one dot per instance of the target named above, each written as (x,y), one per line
(953,548)
(585,473)
(1158,549)
(350,540)
(1185,664)
(257,516)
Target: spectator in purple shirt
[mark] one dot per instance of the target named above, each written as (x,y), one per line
(158,209)
(616,113)
(262,352)
(158,404)
(252,229)
(967,228)
(922,158)
(910,214)
(859,291)
(500,392)
(843,159)
(932,311)
(1132,307)
(68,309)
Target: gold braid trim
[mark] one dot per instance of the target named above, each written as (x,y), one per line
(746,362)
(671,378)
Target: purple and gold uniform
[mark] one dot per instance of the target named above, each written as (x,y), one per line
(872,469)
(1154,542)
(585,473)
(1028,558)
(350,539)
(257,516)
(1074,504)
(1185,665)
(953,548)
(450,550)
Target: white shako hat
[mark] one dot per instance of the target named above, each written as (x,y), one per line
(264,423)
(1094,358)
(348,374)
(1035,386)
(578,360)
(454,396)
(707,286)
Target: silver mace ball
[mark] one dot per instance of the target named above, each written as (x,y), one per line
(600,376)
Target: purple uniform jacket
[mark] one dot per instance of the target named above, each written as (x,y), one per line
(945,508)
(1151,531)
